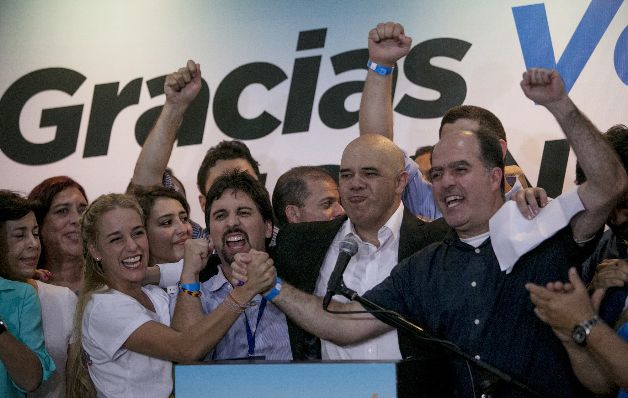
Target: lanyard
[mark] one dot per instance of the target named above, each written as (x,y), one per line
(250,336)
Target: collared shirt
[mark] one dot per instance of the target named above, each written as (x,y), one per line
(271,334)
(21,312)
(368,267)
(457,292)
(417,196)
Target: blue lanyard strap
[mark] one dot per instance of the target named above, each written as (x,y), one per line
(250,336)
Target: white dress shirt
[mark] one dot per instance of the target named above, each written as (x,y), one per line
(367,268)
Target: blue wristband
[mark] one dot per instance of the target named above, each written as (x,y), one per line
(192,287)
(380,69)
(276,289)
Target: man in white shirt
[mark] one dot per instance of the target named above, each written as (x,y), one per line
(372,178)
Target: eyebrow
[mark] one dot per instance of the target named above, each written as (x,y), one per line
(113,233)
(451,165)
(366,168)
(237,209)
(327,198)
(459,163)
(135,228)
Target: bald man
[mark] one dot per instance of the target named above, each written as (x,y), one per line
(372,179)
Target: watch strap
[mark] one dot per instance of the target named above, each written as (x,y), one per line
(583,329)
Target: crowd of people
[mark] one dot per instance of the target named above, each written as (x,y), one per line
(100,298)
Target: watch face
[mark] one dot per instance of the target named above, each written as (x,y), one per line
(579,335)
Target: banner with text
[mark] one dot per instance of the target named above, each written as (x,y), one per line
(82,82)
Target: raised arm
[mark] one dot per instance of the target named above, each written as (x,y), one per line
(598,160)
(181,88)
(387,43)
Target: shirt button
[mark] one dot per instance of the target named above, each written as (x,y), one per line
(473,284)
(477,357)
(477,251)
(477,321)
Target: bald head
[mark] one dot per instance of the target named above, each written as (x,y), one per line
(379,148)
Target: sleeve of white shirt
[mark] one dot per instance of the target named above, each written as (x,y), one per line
(170,274)
(110,319)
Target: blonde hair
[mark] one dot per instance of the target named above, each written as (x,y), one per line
(79,383)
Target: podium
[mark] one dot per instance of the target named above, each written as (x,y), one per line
(268,379)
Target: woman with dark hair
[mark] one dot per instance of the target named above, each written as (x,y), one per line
(19,241)
(122,327)
(60,202)
(167,222)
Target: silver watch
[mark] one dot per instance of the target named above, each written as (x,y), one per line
(583,329)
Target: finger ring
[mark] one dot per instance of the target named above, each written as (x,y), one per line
(240,283)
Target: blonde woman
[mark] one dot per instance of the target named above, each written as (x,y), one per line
(124,327)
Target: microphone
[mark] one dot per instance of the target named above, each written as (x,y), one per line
(348,248)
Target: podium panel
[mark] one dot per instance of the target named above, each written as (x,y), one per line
(236,379)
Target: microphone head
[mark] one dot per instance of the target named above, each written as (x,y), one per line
(349,246)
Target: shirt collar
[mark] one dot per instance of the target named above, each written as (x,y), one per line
(393,224)
(218,281)
(6,284)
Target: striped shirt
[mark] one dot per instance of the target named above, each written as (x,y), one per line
(271,333)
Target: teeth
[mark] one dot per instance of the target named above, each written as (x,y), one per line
(235,238)
(131,260)
(451,201)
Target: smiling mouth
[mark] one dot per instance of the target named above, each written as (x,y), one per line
(235,241)
(73,236)
(29,261)
(357,199)
(132,262)
(453,201)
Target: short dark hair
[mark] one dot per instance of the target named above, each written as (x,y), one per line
(617,137)
(225,150)
(423,150)
(291,189)
(484,117)
(239,181)
(491,151)
(147,196)
(13,206)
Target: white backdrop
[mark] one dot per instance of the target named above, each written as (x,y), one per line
(121,41)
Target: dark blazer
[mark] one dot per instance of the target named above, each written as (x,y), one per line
(301,250)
